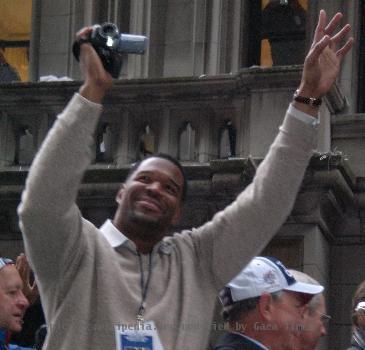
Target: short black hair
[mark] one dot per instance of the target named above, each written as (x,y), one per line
(169,158)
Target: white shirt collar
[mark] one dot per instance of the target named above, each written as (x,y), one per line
(116,238)
(112,234)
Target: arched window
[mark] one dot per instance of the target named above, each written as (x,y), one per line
(147,143)
(103,143)
(227,142)
(24,146)
(187,142)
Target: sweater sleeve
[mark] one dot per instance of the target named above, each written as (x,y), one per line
(235,235)
(49,218)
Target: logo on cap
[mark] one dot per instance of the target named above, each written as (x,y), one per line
(270,278)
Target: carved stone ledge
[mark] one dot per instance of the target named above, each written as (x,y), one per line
(326,194)
(348,126)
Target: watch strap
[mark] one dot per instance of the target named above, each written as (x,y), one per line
(311,101)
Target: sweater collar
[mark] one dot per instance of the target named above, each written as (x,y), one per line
(116,239)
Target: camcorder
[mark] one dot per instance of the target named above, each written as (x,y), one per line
(110,45)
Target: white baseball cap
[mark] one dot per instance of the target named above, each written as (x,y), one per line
(264,275)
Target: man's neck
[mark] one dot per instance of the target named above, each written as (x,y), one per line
(145,238)
(143,246)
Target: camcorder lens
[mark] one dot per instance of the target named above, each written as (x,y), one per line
(108,30)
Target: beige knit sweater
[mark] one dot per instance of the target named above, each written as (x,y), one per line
(87,287)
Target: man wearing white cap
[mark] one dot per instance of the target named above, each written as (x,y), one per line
(264,306)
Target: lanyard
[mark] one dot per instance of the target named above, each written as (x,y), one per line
(144,287)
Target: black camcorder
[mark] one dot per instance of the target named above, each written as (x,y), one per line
(110,45)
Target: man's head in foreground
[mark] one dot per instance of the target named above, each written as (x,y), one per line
(266,303)
(150,200)
(315,317)
(13,303)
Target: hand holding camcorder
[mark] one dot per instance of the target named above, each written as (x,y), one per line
(110,45)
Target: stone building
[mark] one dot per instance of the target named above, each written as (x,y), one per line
(211,89)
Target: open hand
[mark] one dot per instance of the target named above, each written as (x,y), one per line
(323,61)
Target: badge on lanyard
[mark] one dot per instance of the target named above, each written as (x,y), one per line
(138,337)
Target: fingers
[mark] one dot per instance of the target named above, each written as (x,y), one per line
(346,48)
(21,264)
(84,32)
(18,262)
(319,32)
(23,268)
(341,34)
(318,48)
(324,30)
(336,39)
(333,24)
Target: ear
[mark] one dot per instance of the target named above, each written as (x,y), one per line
(120,193)
(304,311)
(265,306)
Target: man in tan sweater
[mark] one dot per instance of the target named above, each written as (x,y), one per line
(98,285)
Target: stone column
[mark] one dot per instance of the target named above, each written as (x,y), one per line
(224,36)
(140,23)
(7,140)
(185,38)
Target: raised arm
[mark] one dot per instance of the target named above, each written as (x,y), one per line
(49,218)
(245,227)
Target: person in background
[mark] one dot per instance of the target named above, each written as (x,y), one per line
(264,306)
(34,316)
(315,319)
(8,73)
(13,303)
(358,319)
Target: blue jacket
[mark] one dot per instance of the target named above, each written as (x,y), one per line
(4,345)
(235,341)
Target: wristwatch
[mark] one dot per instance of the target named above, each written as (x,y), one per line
(311,101)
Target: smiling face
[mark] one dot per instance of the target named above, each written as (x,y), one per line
(150,198)
(13,303)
